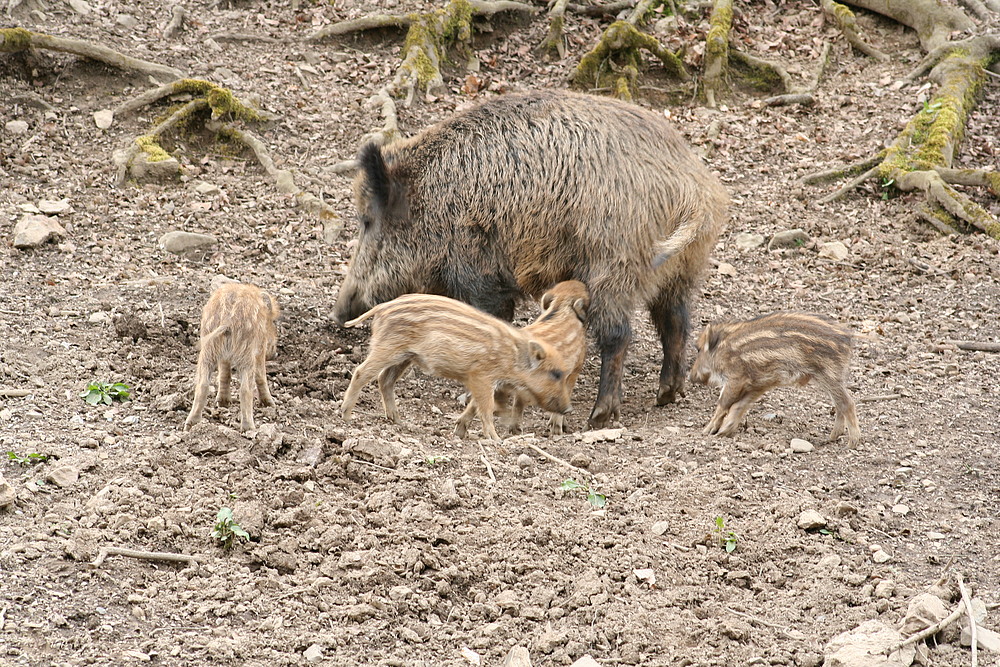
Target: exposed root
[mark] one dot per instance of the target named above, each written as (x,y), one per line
(844,18)
(717,50)
(609,9)
(936,217)
(769,73)
(975,345)
(805,99)
(14,40)
(850,185)
(149,143)
(932,20)
(176,22)
(615,61)
(221,100)
(243,37)
(428,37)
(282,178)
(555,42)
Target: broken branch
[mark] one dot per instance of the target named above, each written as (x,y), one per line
(975,345)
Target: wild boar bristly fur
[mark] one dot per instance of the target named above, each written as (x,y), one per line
(749,358)
(504,200)
(237,331)
(450,339)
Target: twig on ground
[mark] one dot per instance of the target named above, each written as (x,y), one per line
(804,99)
(879,397)
(975,345)
(489,468)
(242,37)
(374,465)
(847,187)
(144,555)
(967,601)
(556,459)
(15,393)
(759,621)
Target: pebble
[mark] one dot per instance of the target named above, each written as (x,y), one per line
(726,269)
(881,556)
(7,494)
(811,520)
(800,446)
(205,188)
(749,240)
(32,231)
(63,476)
(601,435)
(660,527)
(834,250)
(790,238)
(580,460)
(104,118)
(517,657)
(829,562)
(179,242)
(885,589)
(314,653)
(901,509)
(126,21)
(524,461)
(933,535)
(586,661)
(54,206)
(16,126)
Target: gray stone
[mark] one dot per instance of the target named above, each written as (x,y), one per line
(524,461)
(660,527)
(586,661)
(885,589)
(126,21)
(748,240)
(924,611)
(800,446)
(881,556)
(80,7)
(205,188)
(507,600)
(180,242)
(144,169)
(985,638)
(104,118)
(811,520)
(790,238)
(518,656)
(314,653)
(32,231)
(834,250)
(63,476)
(54,206)
(377,451)
(16,126)
(7,494)
(601,435)
(865,646)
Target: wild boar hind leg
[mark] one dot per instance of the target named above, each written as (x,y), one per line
(744,398)
(387,387)
(613,342)
(669,313)
(482,396)
(369,369)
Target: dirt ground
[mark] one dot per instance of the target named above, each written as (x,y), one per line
(378,544)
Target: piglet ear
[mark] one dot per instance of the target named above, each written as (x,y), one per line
(712,337)
(536,351)
(547,300)
(580,306)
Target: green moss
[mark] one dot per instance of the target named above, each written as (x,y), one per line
(717,41)
(618,56)
(458,21)
(192,86)
(13,40)
(224,102)
(993,182)
(151,147)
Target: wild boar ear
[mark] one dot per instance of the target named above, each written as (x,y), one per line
(581,306)
(388,195)
(712,336)
(536,353)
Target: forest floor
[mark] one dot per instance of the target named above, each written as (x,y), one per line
(379,544)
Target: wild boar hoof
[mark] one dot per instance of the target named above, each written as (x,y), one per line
(668,395)
(603,415)
(461,430)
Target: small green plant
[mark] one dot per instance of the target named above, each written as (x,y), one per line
(931,108)
(226,530)
(104,392)
(27,459)
(596,500)
(727,538)
(435,459)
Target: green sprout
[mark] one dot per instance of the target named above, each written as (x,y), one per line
(727,538)
(596,500)
(106,393)
(27,459)
(226,530)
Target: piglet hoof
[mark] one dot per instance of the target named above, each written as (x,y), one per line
(461,430)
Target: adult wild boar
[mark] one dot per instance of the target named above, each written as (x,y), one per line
(503,200)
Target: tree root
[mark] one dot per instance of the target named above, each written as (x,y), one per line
(615,61)
(717,50)
(149,143)
(555,42)
(14,40)
(844,18)
(428,37)
(609,9)
(932,20)
(770,73)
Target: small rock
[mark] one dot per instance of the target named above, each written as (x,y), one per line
(550,640)
(104,118)
(901,317)
(934,535)
(660,527)
(586,661)
(986,639)
(205,188)
(310,456)
(63,476)
(834,250)
(923,611)
(726,269)
(99,317)
(377,451)
(80,7)
(7,494)
(580,460)
(881,556)
(54,207)
(32,231)
(811,520)
(524,462)
(800,446)
(885,589)
(507,600)
(126,21)
(900,509)
(141,168)
(829,562)
(518,656)
(864,646)
(790,238)
(410,635)
(601,435)
(314,653)
(749,240)
(447,496)
(16,126)
(180,242)
(646,575)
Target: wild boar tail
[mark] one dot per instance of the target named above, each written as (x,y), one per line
(361,318)
(682,236)
(213,334)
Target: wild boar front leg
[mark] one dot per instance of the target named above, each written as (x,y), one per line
(669,313)
(847,415)
(739,409)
